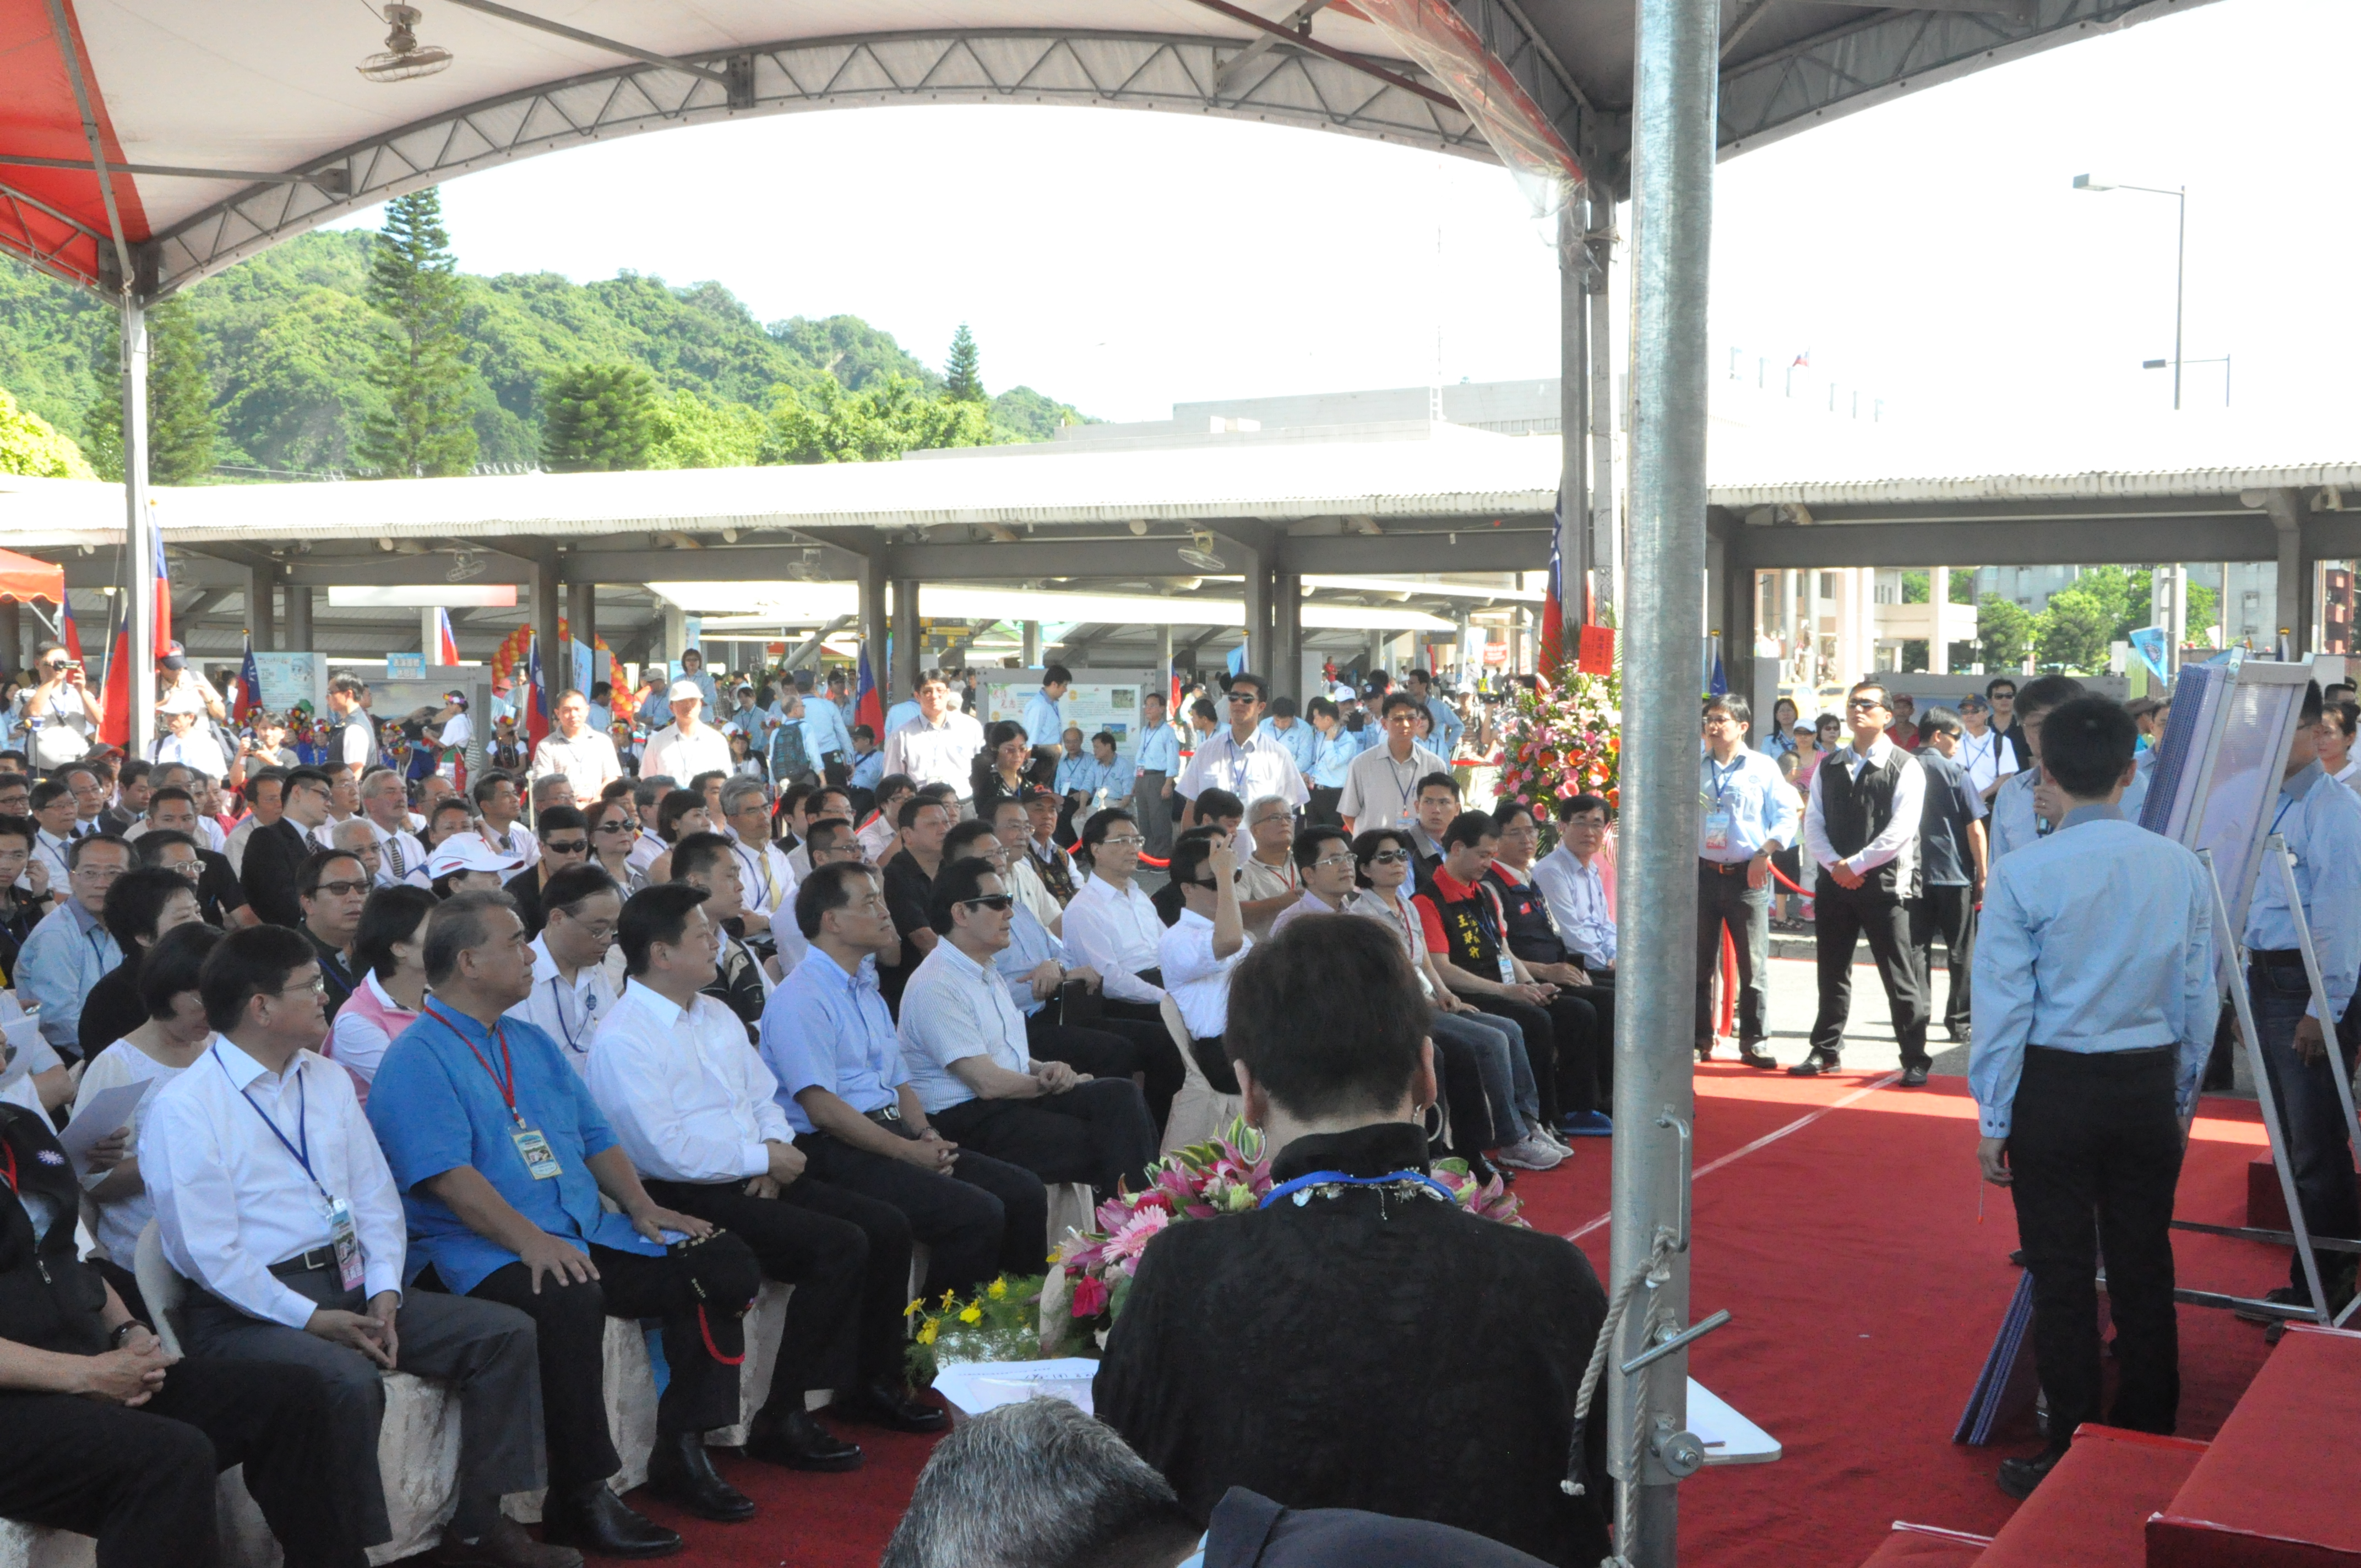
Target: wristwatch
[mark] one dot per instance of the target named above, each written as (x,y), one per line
(121,1332)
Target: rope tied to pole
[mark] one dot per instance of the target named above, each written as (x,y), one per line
(1576,1482)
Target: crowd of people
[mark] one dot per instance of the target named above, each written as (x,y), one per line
(661,1012)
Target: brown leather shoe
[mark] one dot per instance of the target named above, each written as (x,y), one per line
(506,1546)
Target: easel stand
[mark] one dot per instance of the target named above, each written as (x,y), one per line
(2231,966)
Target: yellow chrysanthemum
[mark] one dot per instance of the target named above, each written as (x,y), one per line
(972,1314)
(997,1290)
(926,1334)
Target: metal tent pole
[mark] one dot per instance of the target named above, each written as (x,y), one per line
(1671,204)
(139,549)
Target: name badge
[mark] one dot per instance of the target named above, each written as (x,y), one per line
(539,1163)
(347,1243)
(1508,969)
(1717,828)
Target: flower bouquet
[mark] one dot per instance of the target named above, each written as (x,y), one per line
(1002,1323)
(1561,741)
(1085,1291)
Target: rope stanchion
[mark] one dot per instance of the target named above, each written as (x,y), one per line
(1729,980)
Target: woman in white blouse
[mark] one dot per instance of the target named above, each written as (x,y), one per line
(157,1052)
(1111,925)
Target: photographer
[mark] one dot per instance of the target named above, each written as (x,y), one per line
(60,712)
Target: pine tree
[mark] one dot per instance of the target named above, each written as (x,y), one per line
(181,425)
(425,428)
(961,373)
(597,418)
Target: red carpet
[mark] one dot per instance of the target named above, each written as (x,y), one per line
(1864,1295)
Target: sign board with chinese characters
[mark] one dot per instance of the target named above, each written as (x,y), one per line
(288,679)
(405,666)
(1099,699)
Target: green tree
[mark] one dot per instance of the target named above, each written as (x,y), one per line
(962,374)
(182,429)
(2004,631)
(2204,610)
(2072,633)
(30,444)
(828,424)
(1964,585)
(426,426)
(698,432)
(597,418)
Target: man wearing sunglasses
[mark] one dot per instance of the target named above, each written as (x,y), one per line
(1241,760)
(964,1044)
(333,885)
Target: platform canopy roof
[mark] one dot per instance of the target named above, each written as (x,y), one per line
(227,126)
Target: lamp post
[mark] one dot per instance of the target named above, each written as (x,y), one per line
(2179,260)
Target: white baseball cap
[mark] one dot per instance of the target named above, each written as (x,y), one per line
(470,852)
(684,691)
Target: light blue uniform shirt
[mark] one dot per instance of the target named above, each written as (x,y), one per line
(1447,727)
(1333,756)
(867,770)
(1030,945)
(2013,825)
(434,1107)
(2099,937)
(2321,824)
(1070,776)
(1302,741)
(1761,808)
(68,952)
(1091,775)
(1158,752)
(824,729)
(1043,724)
(825,1029)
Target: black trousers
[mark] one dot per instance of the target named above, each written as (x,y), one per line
(2096,1146)
(1949,913)
(142,1480)
(1097,1131)
(987,1217)
(1322,812)
(1841,923)
(570,1324)
(1113,1047)
(1724,901)
(1562,1039)
(825,1257)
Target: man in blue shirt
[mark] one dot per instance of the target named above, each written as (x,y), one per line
(2321,821)
(70,950)
(1331,760)
(828,740)
(1158,760)
(1445,734)
(1745,816)
(1045,725)
(1285,722)
(832,1044)
(2096,995)
(502,1155)
(2014,822)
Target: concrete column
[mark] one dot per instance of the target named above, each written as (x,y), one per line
(1257,613)
(1939,594)
(1735,613)
(1164,656)
(556,662)
(908,657)
(429,632)
(2292,614)
(299,638)
(12,637)
(1286,635)
(676,633)
(262,607)
(582,613)
(868,578)
(1029,649)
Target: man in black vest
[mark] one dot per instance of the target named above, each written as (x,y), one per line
(1862,829)
(102,1434)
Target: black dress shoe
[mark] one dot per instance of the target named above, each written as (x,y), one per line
(2018,1477)
(1816,1063)
(885,1402)
(1751,1053)
(1915,1076)
(799,1442)
(593,1519)
(1705,1051)
(681,1472)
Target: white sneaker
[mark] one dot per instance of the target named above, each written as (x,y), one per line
(1527,1153)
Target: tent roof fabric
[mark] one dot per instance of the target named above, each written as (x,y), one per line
(22,577)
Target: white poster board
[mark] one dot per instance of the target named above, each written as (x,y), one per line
(1098,700)
(287,679)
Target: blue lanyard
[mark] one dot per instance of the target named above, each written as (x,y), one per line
(558,1001)
(2285,802)
(1339,1178)
(1721,780)
(303,1154)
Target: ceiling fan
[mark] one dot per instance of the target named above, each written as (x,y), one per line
(404,56)
(1199,553)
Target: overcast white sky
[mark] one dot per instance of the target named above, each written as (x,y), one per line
(1930,249)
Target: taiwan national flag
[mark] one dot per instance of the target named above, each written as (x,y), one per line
(67,632)
(868,707)
(536,712)
(250,684)
(447,643)
(114,724)
(163,594)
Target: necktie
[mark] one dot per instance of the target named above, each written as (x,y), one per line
(770,881)
(393,852)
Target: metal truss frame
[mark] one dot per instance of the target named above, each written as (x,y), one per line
(1018,66)
(1886,55)
(40,235)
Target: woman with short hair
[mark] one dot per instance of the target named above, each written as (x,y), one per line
(389,948)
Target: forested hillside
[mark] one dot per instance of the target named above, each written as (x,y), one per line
(285,342)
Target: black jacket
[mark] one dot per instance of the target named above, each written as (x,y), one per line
(273,855)
(1365,1351)
(111,1010)
(49,1299)
(1249,1530)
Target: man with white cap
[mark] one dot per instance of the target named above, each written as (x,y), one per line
(687,745)
(174,674)
(464,863)
(186,738)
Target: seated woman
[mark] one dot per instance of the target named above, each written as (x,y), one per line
(389,949)
(1254,1350)
(998,772)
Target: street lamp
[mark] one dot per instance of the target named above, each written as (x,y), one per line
(2180,258)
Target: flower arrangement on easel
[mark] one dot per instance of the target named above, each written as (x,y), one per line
(1563,739)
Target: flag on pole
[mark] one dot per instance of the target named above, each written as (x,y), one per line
(163,592)
(114,724)
(250,684)
(446,643)
(1716,683)
(868,707)
(536,712)
(1552,652)
(67,632)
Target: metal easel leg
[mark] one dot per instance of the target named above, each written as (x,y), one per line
(2275,848)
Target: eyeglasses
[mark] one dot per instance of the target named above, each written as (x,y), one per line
(91,871)
(1123,841)
(998,903)
(345,889)
(1390,857)
(1324,862)
(317,988)
(1865,703)
(566,845)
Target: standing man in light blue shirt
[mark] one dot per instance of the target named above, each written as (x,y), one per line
(825,732)
(2014,822)
(1447,727)
(2096,995)
(1331,760)
(69,951)
(1045,724)
(1745,814)
(2321,821)
(1157,761)
(1285,725)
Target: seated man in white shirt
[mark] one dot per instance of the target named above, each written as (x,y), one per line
(289,1223)
(694,1107)
(1203,946)
(1573,881)
(1111,925)
(572,991)
(964,1044)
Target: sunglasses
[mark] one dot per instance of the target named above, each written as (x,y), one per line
(1244,697)
(998,903)
(1390,857)
(343,889)
(614,828)
(566,845)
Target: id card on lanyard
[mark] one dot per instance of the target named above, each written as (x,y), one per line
(1717,816)
(532,1146)
(343,1237)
